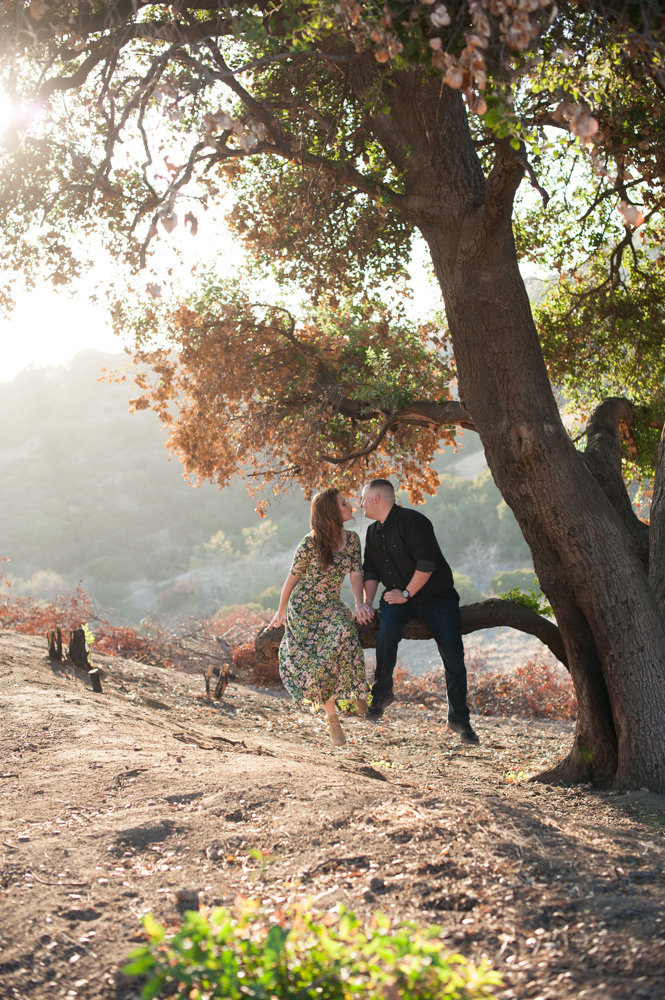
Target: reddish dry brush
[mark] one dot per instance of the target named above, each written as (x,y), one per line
(30,617)
(193,645)
(239,628)
(124,641)
(539,689)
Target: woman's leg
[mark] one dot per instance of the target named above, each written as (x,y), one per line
(337,737)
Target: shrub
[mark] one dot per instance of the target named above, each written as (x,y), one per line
(534,600)
(539,689)
(259,670)
(514,579)
(467,590)
(253,956)
(31,617)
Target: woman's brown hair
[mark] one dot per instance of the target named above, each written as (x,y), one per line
(326,524)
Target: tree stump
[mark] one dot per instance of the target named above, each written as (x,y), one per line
(78,654)
(54,639)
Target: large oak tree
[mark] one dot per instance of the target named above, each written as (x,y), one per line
(346,128)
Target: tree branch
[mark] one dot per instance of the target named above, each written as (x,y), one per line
(503,181)
(603,459)
(284,146)
(487,614)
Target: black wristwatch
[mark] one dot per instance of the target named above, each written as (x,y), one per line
(406,595)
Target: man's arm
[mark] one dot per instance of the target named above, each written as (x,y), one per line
(416,583)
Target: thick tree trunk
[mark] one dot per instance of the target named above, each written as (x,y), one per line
(657,539)
(562,512)
(585,556)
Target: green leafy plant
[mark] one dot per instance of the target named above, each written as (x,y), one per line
(533,600)
(252,954)
(262,860)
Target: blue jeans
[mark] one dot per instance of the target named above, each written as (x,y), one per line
(442,617)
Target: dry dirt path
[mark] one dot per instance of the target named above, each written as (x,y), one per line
(147,797)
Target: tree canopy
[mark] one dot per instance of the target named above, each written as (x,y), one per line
(129,119)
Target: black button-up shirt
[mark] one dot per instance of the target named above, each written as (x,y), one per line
(405,542)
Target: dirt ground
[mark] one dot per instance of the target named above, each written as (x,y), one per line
(149,797)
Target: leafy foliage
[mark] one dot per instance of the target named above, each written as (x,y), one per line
(520,579)
(290,399)
(261,98)
(603,335)
(252,954)
(533,600)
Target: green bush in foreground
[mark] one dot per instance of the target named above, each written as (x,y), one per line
(299,955)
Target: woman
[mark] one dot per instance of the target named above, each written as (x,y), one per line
(320,658)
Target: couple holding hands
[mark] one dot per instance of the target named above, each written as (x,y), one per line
(320,657)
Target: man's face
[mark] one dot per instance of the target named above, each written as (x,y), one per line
(369,502)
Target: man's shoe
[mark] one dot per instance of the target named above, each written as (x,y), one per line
(465,732)
(377,708)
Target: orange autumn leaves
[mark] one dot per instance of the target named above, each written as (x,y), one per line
(244,389)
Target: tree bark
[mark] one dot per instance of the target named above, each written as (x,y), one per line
(657,533)
(78,653)
(602,458)
(54,639)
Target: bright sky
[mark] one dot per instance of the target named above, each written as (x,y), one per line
(47,328)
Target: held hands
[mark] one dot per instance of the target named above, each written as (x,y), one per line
(394,597)
(364,613)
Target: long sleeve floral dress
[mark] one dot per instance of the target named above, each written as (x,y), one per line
(320,656)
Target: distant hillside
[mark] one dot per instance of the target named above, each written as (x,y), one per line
(87,493)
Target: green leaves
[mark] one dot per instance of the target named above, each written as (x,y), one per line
(533,600)
(249,956)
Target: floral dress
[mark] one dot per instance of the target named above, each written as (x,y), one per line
(320,656)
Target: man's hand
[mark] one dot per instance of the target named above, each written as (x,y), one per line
(364,613)
(394,597)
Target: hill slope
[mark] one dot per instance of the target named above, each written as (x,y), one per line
(148,797)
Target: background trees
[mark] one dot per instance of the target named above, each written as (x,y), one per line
(365,124)
(86,496)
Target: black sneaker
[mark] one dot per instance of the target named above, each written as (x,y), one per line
(377,708)
(465,732)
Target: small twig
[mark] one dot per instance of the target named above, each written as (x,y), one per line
(534,181)
(44,882)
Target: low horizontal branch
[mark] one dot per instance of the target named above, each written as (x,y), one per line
(486,614)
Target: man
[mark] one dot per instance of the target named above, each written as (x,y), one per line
(402,553)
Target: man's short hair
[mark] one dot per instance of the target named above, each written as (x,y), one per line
(384,486)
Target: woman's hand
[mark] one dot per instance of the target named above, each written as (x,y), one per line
(277,620)
(364,613)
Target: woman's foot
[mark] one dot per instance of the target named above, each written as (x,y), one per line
(361,706)
(337,737)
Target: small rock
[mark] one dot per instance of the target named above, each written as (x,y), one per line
(187,898)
